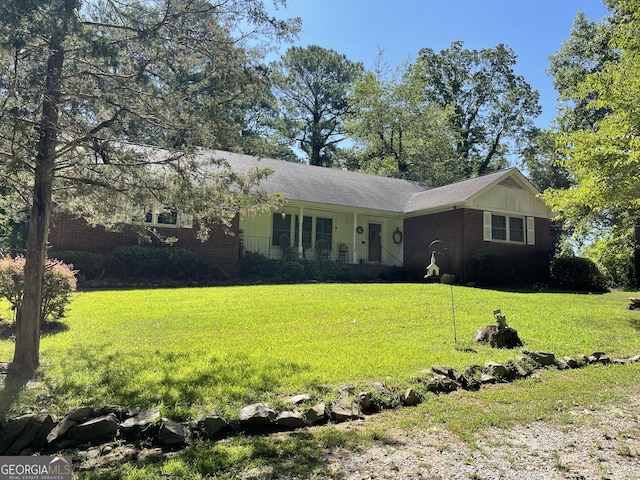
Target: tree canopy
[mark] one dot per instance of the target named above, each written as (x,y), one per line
(603,159)
(397,133)
(491,107)
(312,86)
(84,83)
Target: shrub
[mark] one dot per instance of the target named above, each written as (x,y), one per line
(291,270)
(577,273)
(59,282)
(156,262)
(88,265)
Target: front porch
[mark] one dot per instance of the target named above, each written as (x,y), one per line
(347,253)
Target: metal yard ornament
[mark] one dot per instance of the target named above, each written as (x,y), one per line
(433,274)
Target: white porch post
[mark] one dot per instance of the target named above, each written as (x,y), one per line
(355,239)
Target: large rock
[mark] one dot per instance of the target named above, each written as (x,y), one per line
(444,370)
(80,414)
(411,397)
(173,433)
(290,419)
(316,414)
(212,425)
(94,430)
(140,422)
(60,430)
(28,431)
(344,410)
(542,358)
(256,416)
(496,370)
(300,398)
(12,430)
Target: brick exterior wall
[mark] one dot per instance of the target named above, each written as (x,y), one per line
(468,256)
(70,233)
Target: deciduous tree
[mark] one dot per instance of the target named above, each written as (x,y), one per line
(603,161)
(491,106)
(397,133)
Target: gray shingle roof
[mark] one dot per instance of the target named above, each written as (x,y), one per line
(329,186)
(454,194)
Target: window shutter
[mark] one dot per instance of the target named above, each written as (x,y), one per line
(531,231)
(186,220)
(487,226)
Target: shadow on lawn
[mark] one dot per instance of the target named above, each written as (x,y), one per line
(8,329)
(12,385)
(181,382)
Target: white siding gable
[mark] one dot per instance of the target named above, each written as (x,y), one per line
(510,196)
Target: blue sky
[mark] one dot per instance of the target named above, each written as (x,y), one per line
(534,29)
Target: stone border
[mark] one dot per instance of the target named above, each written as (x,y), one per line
(85,427)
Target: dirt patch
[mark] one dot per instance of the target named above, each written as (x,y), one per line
(598,445)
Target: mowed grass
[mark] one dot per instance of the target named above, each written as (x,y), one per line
(214,349)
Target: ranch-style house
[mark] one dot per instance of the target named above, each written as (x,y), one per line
(491,229)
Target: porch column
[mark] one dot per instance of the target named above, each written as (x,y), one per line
(355,239)
(300,220)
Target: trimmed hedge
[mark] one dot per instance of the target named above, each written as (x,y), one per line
(257,267)
(140,262)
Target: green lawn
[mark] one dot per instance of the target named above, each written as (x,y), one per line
(214,349)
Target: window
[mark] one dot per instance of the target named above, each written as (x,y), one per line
(281,228)
(169,219)
(498,227)
(504,228)
(516,229)
(324,230)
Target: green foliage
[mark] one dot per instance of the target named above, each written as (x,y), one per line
(614,254)
(491,108)
(587,51)
(323,270)
(577,273)
(601,154)
(89,265)
(312,84)
(58,283)
(163,262)
(257,267)
(397,132)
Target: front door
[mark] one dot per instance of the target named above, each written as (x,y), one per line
(375,242)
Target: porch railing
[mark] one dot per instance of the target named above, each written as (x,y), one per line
(336,251)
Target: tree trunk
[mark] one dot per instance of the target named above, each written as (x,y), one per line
(27,348)
(636,253)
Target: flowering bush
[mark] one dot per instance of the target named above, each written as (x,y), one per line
(58,283)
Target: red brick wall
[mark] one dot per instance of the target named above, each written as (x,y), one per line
(70,233)
(461,231)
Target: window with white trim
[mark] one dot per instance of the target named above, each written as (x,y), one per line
(510,229)
(168,218)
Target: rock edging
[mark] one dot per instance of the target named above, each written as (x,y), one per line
(88,426)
